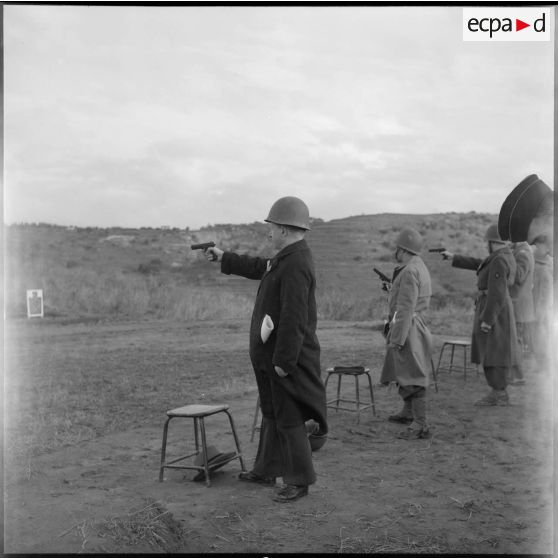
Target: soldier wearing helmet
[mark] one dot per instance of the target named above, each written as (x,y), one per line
(409,350)
(494,343)
(284,351)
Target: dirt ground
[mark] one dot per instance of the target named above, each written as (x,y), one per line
(482,484)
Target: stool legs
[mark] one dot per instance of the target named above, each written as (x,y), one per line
(357,399)
(201,446)
(255,421)
(164,448)
(440,357)
(451,361)
(449,368)
(201,424)
(335,403)
(338,388)
(338,391)
(237,443)
(371,394)
(434,374)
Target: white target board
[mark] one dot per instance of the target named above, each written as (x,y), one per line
(35,307)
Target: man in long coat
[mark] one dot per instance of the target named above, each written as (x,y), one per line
(494,343)
(409,351)
(284,350)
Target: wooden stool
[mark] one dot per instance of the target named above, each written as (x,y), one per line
(356,372)
(198,413)
(465,344)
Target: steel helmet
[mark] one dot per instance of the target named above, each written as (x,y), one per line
(315,436)
(492,235)
(410,239)
(290,211)
(317,442)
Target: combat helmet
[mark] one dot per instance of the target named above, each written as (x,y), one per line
(290,211)
(410,239)
(492,235)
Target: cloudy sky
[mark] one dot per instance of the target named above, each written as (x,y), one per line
(186,116)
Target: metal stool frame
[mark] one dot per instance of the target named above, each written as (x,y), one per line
(465,344)
(358,407)
(198,413)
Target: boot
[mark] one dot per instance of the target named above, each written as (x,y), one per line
(420,433)
(405,416)
(418,429)
(488,400)
(502,398)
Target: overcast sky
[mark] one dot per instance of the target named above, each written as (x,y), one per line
(186,116)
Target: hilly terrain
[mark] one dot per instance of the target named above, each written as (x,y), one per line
(137,323)
(129,273)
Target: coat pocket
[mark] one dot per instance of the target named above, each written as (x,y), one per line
(267,327)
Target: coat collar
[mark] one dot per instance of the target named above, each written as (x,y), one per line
(506,250)
(297,246)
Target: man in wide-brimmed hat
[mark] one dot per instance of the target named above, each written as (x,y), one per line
(284,350)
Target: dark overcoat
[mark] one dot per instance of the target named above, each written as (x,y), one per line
(493,305)
(287,294)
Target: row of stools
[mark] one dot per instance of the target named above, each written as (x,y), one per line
(204,464)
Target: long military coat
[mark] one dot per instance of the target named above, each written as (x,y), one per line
(521,291)
(287,294)
(409,298)
(493,305)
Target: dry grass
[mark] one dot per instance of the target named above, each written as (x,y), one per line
(232,528)
(372,538)
(150,528)
(82,274)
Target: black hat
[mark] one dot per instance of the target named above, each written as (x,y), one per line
(529,199)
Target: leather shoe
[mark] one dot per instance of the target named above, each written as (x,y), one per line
(400,419)
(412,434)
(290,493)
(250,476)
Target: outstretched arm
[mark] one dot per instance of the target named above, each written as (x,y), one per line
(245,266)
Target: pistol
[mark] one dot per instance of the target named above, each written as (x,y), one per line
(203,246)
(439,250)
(382,276)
